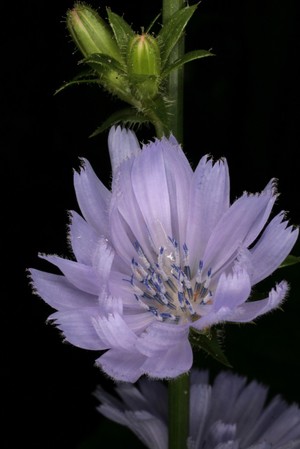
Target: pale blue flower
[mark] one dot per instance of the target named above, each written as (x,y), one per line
(162,251)
(229,414)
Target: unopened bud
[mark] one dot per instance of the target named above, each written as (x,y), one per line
(143,57)
(143,63)
(90,33)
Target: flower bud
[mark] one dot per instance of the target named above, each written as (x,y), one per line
(143,57)
(90,33)
(143,64)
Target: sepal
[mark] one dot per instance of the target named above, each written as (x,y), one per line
(188,57)
(209,342)
(122,31)
(85,77)
(127,116)
(290,260)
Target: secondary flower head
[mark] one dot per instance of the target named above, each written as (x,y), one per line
(162,252)
(229,414)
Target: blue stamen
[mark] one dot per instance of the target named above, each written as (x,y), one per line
(173,241)
(181,299)
(187,271)
(129,280)
(170,316)
(167,285)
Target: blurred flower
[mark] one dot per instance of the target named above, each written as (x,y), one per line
(162,252)
(230,414)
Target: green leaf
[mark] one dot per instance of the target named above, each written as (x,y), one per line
(77,82)
(86,76)
(290,260)
(172,31)
(209,343)
(122,31)
(190,56)
(99,61)
(127,116)
(152,23)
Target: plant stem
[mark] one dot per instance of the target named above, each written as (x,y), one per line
(179,387)
(179,411)
(175,80)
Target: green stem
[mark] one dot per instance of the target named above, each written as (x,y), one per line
(159,129)
(179,387)
(175,81)
(179,411)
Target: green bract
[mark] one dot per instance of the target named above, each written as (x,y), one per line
(133,67)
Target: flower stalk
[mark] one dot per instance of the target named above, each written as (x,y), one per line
(175,78)
(178,389)
(178,404)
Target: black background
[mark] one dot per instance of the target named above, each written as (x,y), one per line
(243,104)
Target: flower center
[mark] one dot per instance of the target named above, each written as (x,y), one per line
(167,287)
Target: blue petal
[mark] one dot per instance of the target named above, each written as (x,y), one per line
(122,145)
(161,178)
(161,336)
(272,248)
(59,293)
(232,290)
(113,330)
(208,201)
(200,407)
(83,237)
(222,435)
(126,221)
(93,198)
(81,276)
(77,327)
(239,226)
(122,365)
(168,351)
(251,310)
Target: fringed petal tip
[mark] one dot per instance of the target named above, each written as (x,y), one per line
(254,309)
(30,275)
(122,145)
(165,142)
(270,188)
(121,366)
(83,166)
(278,294)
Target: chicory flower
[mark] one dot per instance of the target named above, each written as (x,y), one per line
(159,253)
